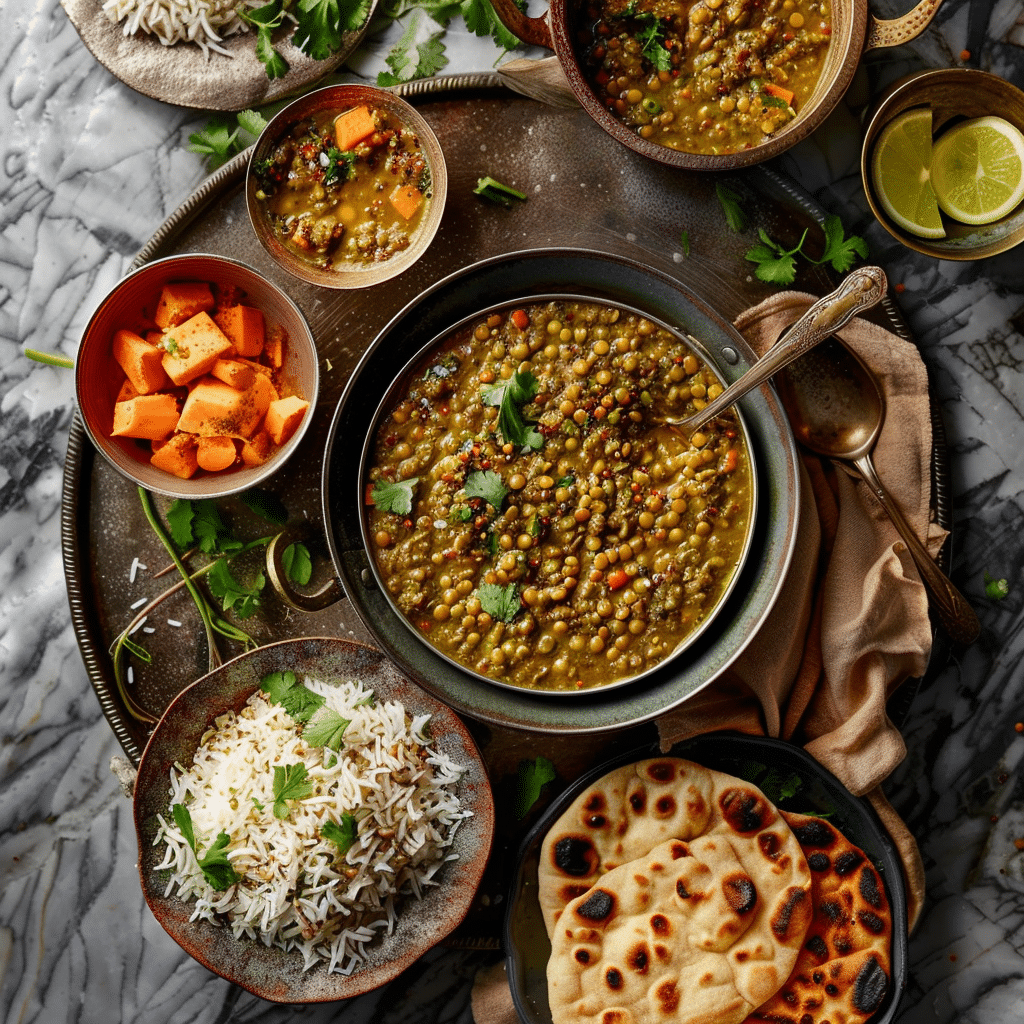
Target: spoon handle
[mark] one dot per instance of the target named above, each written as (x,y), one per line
(859,290)
(956,615)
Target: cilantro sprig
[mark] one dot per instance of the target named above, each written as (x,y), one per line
(510,396)
(488,485)
(777,265)
(343,834)
(501,603)
(394,497)
(214,864)
(291,782)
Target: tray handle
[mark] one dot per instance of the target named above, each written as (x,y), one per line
(536,31)
(896,31)
(328,594)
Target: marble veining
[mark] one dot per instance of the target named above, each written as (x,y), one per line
(88,170)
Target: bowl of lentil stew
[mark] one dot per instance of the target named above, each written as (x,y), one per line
(710,84)
(346,186)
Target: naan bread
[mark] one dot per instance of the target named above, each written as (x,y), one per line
(683,935)
(842,973)
(628,812)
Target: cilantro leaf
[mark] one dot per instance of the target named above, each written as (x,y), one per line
(839,250)
(432,57)
(735,216)
(488,485)
(216,867)
(772,267)
(326,729)
(531,777)
(340,165)
(509,396)
(396,497)
(183,819)
(291,782)
(244,601)
(343,835)
(481,20)
(216,141)
(684,241)
(499,602)
(209,530)
(179,520)
(298,566)
(322,23)
(995,589)
(652,40)
(299,701)
(497,192)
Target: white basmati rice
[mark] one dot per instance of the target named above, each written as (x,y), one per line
(296,891)
(203,22)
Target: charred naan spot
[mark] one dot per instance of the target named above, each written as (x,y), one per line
(595,802)
(814,833)
(642,880)
(742,956)
(661,771)
(582,956)
(668,997)
(662,953)
(832,910)
(638,801)
(613,978)
(831,989)
(740,893)
(597,907)
(613,1017)
(679,850)
(818,977)
(816,945)
(819,862)
(596,821)
(847,863)
(872,922)
(681,890)
(575,856)
(869,887)
(665,806)
(639,958)
(770,845)
(660,924)
(870,986)
(843,945)
(806,1019)
(784,915)
(745,810)
(570,892)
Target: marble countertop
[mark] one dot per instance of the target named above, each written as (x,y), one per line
(89,170)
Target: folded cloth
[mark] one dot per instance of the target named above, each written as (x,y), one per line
(851,621)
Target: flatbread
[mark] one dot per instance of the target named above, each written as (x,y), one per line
(631,810)
(683,935)
(843,971)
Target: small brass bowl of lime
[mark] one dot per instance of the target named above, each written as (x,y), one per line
(943,163)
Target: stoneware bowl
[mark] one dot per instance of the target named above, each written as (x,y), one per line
(97,386)
(335,99)
(272,973)
(954,95)
(855,31)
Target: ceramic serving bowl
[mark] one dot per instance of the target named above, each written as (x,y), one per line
(130,304)
(328,102)
(855,31)
(270,972)
(954,95)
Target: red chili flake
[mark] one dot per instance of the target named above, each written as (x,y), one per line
(900,288)
(788,36)
(425,625)
(952,958)
(520,319)
(1018,727)
(579,684)
(407,523)
(826,30)
(965,54)
(451,555)
(444,410)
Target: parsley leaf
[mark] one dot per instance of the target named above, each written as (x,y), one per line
(839,250)
(496,192)
(488,485)
(652,39)
(775,265)
(326,729)
(183,819)
(342,835)
(216,867)
(409,59)
(209,530)
(179,520)
(735,216)
(291,782)
(509,396)
(396,497)
(340,165)
(299,701)
(481,20)
(298,565)
(530,778)
(266,20)
(499,602)
(216,141)
(244,601)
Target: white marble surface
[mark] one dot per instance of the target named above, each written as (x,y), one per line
(89,170)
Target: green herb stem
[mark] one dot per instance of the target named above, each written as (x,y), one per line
(50,359)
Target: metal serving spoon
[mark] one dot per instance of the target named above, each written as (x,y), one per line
(836,407)
(859,290)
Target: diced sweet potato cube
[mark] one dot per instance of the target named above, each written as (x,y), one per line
(214,408)
(406,200)
(177,456)
(234,372)
(180,301)
(353,126)
(276,339)
(141,361)
(216,453)
(283,416)
(151,417)
(198,344)
(262,368)
(256,451)
(245,326)
(128,390)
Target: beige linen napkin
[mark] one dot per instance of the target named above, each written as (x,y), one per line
(851,623)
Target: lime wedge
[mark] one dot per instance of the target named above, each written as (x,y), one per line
(978,169)
(901,172)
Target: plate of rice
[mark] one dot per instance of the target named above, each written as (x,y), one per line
(310,822)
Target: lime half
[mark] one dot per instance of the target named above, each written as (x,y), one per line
(978,170)
(901,173)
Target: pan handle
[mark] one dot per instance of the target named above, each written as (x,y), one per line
(896,31)
(328,594)
(536,31)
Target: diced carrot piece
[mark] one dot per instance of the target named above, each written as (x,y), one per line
(283,417)
(406,200)
(178,456)
(353,126)
(142,362)
(215,453)
(198,344)
(214,408)
(234,372)
(777,90)
(258,450)
(277,337)
(148,416)
(245,326)
(180,301)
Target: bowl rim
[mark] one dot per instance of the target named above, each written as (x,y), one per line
(358,276)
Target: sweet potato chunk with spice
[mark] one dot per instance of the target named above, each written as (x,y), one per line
(245,327)
(194,347)
(180,301)
(177,456)
(141,362)
(151,417)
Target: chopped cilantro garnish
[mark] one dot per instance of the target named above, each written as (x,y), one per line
(499,602)
(735,216)
(396,497)
(214,864)
(510,395)
(291,782)
(343,835)
(299,701)
(326,729)
(488,485)
(996,589)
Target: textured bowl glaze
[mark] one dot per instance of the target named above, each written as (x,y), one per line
(954,95)
(272,973)
(97,385)
(336,98)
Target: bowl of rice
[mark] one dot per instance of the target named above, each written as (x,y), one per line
(309,821)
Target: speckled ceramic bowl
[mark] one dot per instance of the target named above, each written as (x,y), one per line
(335,99)
(272,973)
(98,377)
(954,94)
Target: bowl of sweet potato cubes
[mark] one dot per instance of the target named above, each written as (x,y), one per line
(196,377)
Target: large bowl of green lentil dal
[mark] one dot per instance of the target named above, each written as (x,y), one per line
(710,84)
(520,533)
